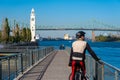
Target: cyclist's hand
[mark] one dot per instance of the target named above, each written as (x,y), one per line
(70,64)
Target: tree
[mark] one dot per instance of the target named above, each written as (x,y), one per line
(6,31)
(107,38)
(28,33)
(23,34)
(17,33)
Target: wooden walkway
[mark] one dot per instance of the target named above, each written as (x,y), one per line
(57,68)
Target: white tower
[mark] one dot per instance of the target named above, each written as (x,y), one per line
(32,25)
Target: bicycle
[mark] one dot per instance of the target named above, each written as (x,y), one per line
(79,74)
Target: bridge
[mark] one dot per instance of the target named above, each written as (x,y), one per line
(89,29)
(49,64)
(92,25)
(82,28)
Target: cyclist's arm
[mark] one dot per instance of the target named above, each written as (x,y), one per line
(70,60)
(92,52)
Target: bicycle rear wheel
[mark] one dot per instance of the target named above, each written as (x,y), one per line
(77,76)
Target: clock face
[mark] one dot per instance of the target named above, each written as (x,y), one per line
(32,19)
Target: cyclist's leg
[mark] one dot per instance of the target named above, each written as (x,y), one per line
(82,65)
(73,70)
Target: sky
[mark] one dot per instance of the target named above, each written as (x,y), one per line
(61,12)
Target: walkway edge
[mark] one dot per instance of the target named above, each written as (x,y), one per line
(20,75)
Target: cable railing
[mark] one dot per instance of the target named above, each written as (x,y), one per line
(98,71)
(16,64)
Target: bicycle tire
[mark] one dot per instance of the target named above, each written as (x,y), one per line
(80,75)
(77,76)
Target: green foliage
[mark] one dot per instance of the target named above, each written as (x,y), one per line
(18,35)
(5,31)
(23,35)
(12,39)
(28,33)
(107,38)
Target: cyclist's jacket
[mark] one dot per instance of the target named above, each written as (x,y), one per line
(78,51)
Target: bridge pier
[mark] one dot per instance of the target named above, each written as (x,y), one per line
(93,36)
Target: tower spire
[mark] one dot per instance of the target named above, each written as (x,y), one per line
(32,24)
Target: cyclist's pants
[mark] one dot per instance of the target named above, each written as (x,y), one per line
(82,66)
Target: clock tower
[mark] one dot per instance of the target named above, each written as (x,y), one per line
(32,25)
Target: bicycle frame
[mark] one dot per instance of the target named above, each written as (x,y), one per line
(79,74)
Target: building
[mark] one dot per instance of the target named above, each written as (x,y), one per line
(32,25)
(67,37)
(37,37)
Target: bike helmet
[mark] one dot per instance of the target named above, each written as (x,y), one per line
(79,34)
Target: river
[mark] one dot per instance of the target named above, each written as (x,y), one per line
(106,51)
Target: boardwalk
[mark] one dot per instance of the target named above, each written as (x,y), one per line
(57,70)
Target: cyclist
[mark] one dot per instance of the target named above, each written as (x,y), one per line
(77,54)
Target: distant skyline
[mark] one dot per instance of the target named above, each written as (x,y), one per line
(61,12)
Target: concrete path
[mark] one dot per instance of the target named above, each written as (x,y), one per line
(58,69)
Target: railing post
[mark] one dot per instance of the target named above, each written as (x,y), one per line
(16,65)
(30,58)
(21,62)
(116,75)
(96,71)
(102,71)
(37,55)
(8,68)
(0,69)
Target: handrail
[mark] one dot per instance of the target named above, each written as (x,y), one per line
(113,67)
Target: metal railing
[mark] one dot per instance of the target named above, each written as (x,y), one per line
(13,65)
(97,71)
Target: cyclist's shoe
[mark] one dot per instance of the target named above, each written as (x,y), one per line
(70,64)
